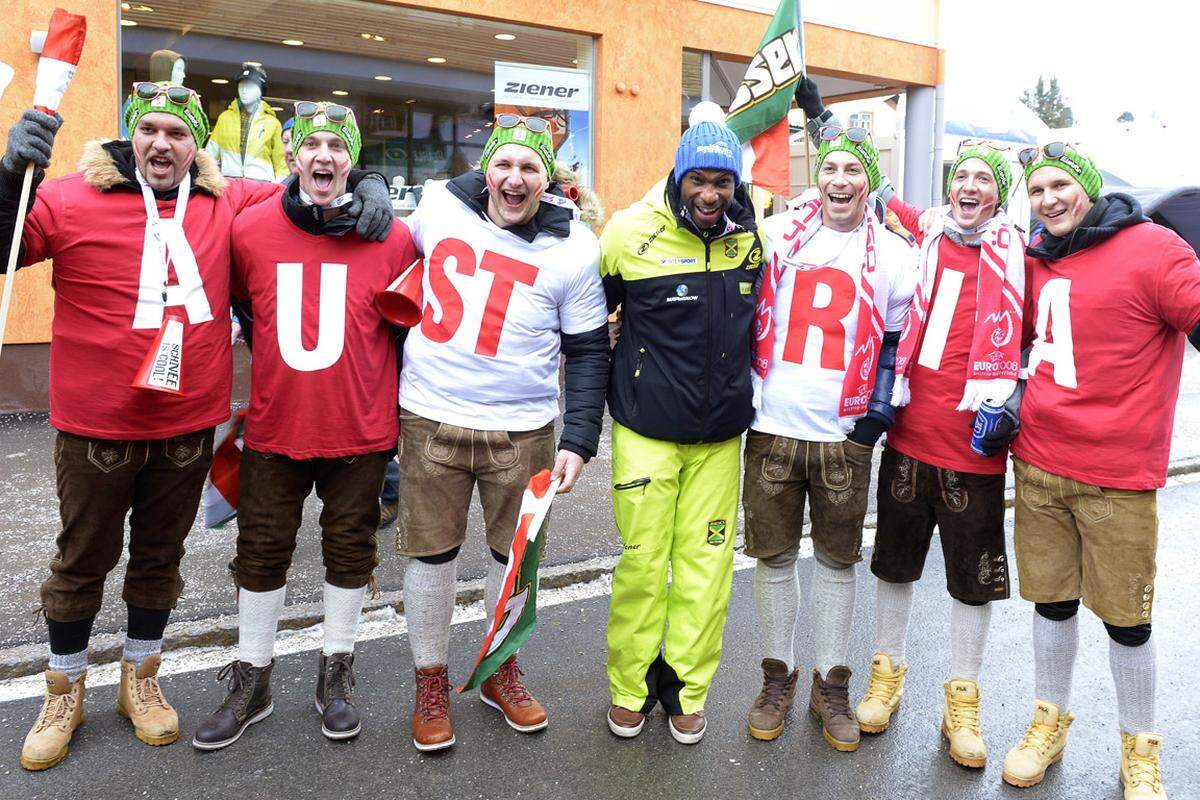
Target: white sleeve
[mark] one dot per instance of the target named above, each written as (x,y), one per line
(582,307)
(413,223)
(904,275)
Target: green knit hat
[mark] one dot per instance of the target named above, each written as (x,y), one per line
(307,123)
(995,161)
(864,151)
(540,143)
(159,101)
(1073,161)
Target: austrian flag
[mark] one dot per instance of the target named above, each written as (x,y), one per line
(516,611)
(59,59)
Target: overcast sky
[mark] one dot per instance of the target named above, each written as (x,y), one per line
(1109,57)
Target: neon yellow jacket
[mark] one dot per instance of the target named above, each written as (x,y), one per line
(264,159)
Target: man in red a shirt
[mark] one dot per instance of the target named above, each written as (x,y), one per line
(1095,439)
(140,372)
(322,413)
(961,346)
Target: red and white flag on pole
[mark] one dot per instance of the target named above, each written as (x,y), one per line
(59,60)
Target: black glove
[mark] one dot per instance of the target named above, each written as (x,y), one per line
(1006,430)
(808,97)
(372,207)
(867,431)
(30,139)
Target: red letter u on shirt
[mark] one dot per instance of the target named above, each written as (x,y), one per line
(331,320)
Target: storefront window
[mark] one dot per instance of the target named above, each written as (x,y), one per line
(423,85)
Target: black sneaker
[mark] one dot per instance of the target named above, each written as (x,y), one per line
(248,702)
(335,699)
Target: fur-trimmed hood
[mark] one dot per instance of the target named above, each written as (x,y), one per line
(101,171)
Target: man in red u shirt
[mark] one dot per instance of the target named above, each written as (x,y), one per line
(1094,444)
(322,413)
(961,346)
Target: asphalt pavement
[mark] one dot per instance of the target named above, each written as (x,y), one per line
(576,757)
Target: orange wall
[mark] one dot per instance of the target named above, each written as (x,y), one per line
(639,44)
(88,110)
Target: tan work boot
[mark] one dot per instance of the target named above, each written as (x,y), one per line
(140,700)
(829,702)
(960,723)
(774,702)
(1041,746)
(62,712)
(885,687)
(1141,772)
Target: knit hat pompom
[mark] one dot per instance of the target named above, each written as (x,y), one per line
(708,143)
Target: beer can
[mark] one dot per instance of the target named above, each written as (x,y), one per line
(987,419)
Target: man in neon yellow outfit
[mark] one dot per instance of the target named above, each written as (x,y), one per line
(682,263)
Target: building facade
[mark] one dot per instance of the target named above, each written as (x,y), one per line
(426,77)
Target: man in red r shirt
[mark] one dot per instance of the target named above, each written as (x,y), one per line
(1095,439)
(322,412)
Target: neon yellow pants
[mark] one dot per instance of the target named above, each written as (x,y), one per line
(675,506)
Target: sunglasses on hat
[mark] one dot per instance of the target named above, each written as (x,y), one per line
(335,112)
(1053,151)
(829,133)
(179,95)
(532,124)
(969,143)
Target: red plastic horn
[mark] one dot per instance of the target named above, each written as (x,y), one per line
(402,302)
(571,193)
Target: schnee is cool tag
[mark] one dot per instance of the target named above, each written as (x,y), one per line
(162,368)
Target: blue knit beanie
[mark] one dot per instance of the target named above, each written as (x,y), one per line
(707,144)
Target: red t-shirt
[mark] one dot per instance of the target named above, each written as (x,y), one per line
(95,240)
(1107,352)
(928,428)
(323,380)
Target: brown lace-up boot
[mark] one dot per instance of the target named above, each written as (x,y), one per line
(830,703)
(431,715)
(505,692)
(774,702)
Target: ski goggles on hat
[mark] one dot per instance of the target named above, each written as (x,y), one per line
(1053,151)
(335,112)
(829,133)
(532,124)
(179,95)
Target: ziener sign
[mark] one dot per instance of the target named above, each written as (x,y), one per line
(543,87)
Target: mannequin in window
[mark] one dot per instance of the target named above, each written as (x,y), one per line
(247,139)
(165,65)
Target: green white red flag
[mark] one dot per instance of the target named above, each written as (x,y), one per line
(516,610)
(758,113)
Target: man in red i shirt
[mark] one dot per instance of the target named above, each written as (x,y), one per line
(961,347)
(1110,299)
(322,413)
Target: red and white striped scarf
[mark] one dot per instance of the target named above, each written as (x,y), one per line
(859,379)
(996,340)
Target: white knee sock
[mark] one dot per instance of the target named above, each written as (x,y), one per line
(833,614)
(1054,647)
(893,610)
(258,619)
(428,609)
(492,586)
(968,638)
(342,609)
(1133,670)
(777,596)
